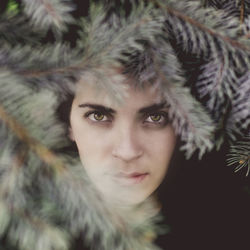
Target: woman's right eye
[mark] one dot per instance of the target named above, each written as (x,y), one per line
(97,116)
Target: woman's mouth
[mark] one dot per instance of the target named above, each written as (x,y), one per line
(131,178)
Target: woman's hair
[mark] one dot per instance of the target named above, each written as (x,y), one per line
(64,108)
(63,115)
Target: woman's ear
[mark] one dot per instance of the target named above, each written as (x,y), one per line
(71,135)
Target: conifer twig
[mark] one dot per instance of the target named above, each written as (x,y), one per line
(48,13)
(242,11)
(239,155)
(43,152)
(200,26)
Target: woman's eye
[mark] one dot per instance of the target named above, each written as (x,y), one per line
(155,118)
(96,116)
(158,118)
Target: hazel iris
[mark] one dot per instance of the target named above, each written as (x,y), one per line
(98,116)
(156,117)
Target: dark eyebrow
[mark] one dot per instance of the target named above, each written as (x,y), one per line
(148,109)
(153,108)
(97,107)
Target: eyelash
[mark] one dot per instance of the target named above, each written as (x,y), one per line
(163,121)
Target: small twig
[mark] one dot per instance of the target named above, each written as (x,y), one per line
(242,11)
(219,78)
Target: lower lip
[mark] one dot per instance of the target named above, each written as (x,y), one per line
(130,180)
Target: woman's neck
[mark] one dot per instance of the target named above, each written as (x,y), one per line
(137,213)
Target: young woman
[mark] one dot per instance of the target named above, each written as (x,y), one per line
(124,147)
(91,139)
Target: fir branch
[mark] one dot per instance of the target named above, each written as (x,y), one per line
(43,152)
(31,232)
(78,205)
(15,29)
(212,3)
(239,155)
(17,128)
(36,59)
(188,117)
(202,20)
(226,99)
(46,14)
(202,32)
(18,216)
(215,85)
(81,200)
(196,133)
(238,122)
(141,24)
(210,81)
(239,9)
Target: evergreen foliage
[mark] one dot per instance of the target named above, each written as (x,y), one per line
(49,14)
(239,155)
(45,197)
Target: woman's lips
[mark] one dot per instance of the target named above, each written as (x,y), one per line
(131,178)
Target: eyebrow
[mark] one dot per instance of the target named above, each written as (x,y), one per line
(153,108)
(148,109)
(98,107)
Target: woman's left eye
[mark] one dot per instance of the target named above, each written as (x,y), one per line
(157,118)
(96,116)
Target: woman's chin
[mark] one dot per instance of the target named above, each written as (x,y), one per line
(126,201)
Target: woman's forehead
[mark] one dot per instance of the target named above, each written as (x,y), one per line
(88,91)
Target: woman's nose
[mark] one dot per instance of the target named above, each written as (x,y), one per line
(127,146)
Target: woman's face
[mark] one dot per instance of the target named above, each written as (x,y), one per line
(125,148)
